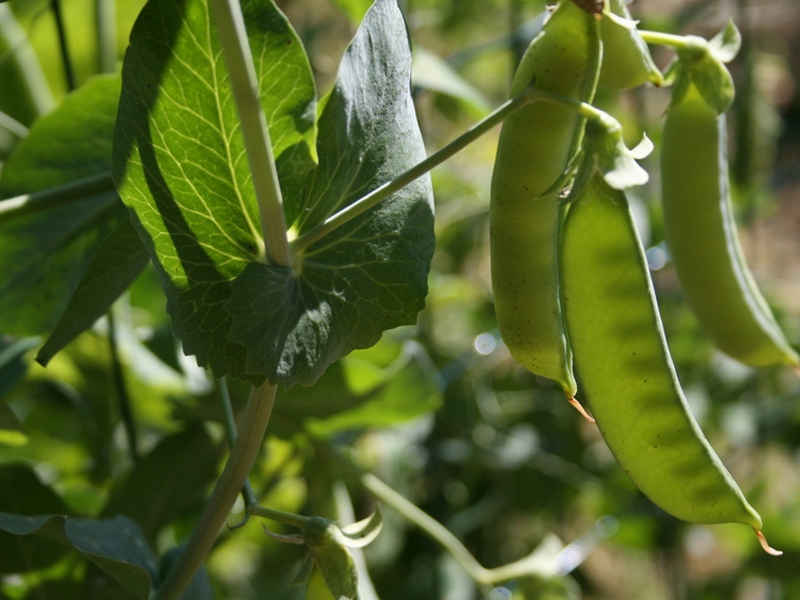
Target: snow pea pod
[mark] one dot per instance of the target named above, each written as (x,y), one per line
(535,148)
(626,370)
(626,59)
(701,234)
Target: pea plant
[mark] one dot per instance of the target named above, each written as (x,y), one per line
(292,238)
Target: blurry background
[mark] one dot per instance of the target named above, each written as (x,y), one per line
(439,410)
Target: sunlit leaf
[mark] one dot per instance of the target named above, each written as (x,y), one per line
(180,164)
(370,274)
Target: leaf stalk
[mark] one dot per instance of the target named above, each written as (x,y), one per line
(228,486)
(239,58)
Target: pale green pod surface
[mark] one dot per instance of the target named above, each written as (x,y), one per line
(536,145)
(627,62)
(626,370)
(701,234)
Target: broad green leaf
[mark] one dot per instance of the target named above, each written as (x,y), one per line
(370,274)
(113,267)
(180,163)
(22,493)
(189,459)
(47,242)
(115,545)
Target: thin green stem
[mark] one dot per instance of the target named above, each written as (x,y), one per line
(12,125)
(438,532)
(22,71)
(530,565)
(57,196)
(105,13)
(229,421)
(672,40)
(69,73)
(382,192)
(280,516)
(125,409)
(241,459)
(233,35)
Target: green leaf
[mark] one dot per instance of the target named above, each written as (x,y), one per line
(22,493)
(180,163)
(370,274)
(189,459)
(47,242)
(115,545)
(114,266)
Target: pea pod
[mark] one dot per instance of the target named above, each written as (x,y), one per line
(535,148)
(626,370)
(626,59)
(701,234)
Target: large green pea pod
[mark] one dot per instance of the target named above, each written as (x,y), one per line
(626,370)
(627,62)
(536,146)
(701,234)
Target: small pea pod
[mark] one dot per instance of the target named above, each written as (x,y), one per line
(701,234)
(626,370)
(627,62)
(536,146)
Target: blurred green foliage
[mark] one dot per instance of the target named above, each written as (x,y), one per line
(438,410)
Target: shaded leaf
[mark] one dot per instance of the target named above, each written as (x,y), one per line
(370,274)
(114,266)
(180,162)
(188,460)
(115,545)
(22,493)
(200,586)
(46,243)
(13,365)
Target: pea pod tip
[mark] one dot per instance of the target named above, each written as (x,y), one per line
(765,545)
(580,409)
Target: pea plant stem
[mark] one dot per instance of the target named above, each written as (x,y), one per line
(123,398)
(229,485)
(382,192)
(66,60)
(230,432)
(440,534)
(25,204)
(105,14)
(236,48)
(670,39)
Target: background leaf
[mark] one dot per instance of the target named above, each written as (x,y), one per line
(22,493)
(189,459)
(115,545)
(119,259)
(370,274)
(45,248)
(179,159)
